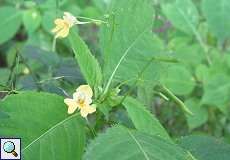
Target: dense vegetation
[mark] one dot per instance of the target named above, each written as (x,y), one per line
(116,79)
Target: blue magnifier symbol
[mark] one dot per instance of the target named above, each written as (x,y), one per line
(9,147)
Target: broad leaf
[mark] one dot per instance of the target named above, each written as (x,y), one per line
(200,113)
(89,65)
(179,80)
(32,20)
(41,120)
(143,120)
(40,56)
(119,143)
(217,90)
(183,15)
(128,42)
(202,73)
(206,148)
(10,23)
(189,55)
(4,76)
(145,95)
(69,70)
(217,15)
(48,20)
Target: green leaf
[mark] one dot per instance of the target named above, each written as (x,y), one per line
(122,144)
(129,44)
(183,15)
(143,120)
(70,71)
(206,148)
(41,120)
(48,19)
(32,20)
(40,56)
(202,73)
(189,54)
(200,114)
(10,23)
(3,114)
(145,95)
(89,65)
(179,80)
(217,90)
(217,15)
(4,76)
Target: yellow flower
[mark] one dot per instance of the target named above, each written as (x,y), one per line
(82,99)
(63,25)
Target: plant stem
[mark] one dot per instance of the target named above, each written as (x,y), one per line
(91,19)
(176,99)
(54,45)
(138,78)
(90,128)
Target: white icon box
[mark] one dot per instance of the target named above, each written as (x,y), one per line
(10,148)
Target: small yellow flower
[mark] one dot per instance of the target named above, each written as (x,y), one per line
(82,99)
(63,25)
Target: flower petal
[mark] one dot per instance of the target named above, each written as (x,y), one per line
(83,113)
(69,18)
(59,21)
(62,33)
(56,29)
(86,90)
(72,105)
(87,110)
(91,108)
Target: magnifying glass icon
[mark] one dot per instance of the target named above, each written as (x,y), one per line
(9,147)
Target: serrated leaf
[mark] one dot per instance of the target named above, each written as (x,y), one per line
(41,120)
(206,148)
(89,65)
(128,42)
(10,23)
(132,145)
(143,120)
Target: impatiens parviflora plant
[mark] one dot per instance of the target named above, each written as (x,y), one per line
(82,98)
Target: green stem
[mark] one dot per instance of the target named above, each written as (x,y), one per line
(119,63)
(176,99)
(138,78)
(91,19)
(162,95)
(54,45)
(90,128)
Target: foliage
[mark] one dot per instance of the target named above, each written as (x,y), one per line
(159,70)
